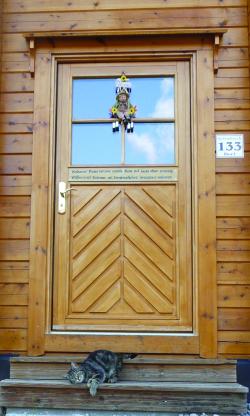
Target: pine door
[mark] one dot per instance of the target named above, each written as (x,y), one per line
(123,243)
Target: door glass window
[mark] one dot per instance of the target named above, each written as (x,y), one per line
(152,141)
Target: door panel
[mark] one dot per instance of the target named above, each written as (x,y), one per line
(123,251)
(123,258)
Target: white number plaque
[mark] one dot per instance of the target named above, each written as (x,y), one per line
(229,146)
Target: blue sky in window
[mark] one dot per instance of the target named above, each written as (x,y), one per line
(151,143)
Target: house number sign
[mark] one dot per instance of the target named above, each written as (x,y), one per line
(229,146)
(122,174)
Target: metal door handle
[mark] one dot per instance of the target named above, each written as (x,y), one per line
(62,197)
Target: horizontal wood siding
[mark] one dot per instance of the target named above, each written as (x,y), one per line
(232,114)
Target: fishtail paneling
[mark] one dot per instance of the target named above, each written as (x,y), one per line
(232,114)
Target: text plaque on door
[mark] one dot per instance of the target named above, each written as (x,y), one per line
(123,174)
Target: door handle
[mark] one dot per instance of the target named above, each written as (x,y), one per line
(62,191)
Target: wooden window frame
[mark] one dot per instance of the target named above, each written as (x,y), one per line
(199,51)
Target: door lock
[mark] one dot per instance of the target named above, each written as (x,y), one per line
(62,197)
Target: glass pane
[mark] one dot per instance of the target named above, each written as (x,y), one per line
(92,98)
(95,144)
(151,143)
(154,97)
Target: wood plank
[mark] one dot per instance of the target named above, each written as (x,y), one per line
(14,206)
(15,164)
(233,206)
(15,143)
(233,184)
(131,386)
(96,247)
(15,185)
(233,250)
(14,250)
(232,99)
(146,290)
(127,19)
(234,296)
(234,165)
(232,78)
(235,37)
(173,345)
(152,209)
(28,6)
(246,141)
(206,225)
(240,336)
(13,339)
(14,265)
(156,370)
(150,228)
(14,228)
(166,397)
(14,276)
(15,62)
(10,300)
(234,348)
(16,123)
(13,312)
(232,115)
(16,103)
(39,209)
(237,273)
(13,323)
(14,42)
(233,228)
(234,319)
(88,276)
(17,82)
(149,248)
(233,57)
(229,125)
(13,288)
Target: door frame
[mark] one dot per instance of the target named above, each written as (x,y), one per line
(198,50)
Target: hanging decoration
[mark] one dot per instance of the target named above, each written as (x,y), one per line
(123,111)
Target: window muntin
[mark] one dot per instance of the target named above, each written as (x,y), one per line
(153,139)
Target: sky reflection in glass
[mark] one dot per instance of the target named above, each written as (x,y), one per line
(154,97)
(96,144)
(151,143)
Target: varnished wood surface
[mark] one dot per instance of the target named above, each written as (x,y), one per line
(167,397)
(232,106)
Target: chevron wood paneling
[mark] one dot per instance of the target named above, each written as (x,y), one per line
(123,256)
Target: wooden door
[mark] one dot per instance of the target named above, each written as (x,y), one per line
(123,246)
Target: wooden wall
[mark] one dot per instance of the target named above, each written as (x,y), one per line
(232,104)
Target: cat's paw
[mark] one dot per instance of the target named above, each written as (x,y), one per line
(93,386)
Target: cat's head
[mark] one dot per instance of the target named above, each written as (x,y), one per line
(76,374)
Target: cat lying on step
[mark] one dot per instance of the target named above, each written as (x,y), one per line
(100,366)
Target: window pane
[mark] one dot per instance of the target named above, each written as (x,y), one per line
(151,143)
(154,97)
(95,144)
(92,98)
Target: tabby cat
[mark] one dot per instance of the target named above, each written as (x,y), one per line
(100,366)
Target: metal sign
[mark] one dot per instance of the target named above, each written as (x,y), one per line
(229,146)
(120,174)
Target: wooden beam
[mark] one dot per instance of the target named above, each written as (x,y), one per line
(127,32)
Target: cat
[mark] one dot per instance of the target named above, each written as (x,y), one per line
(100,366)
